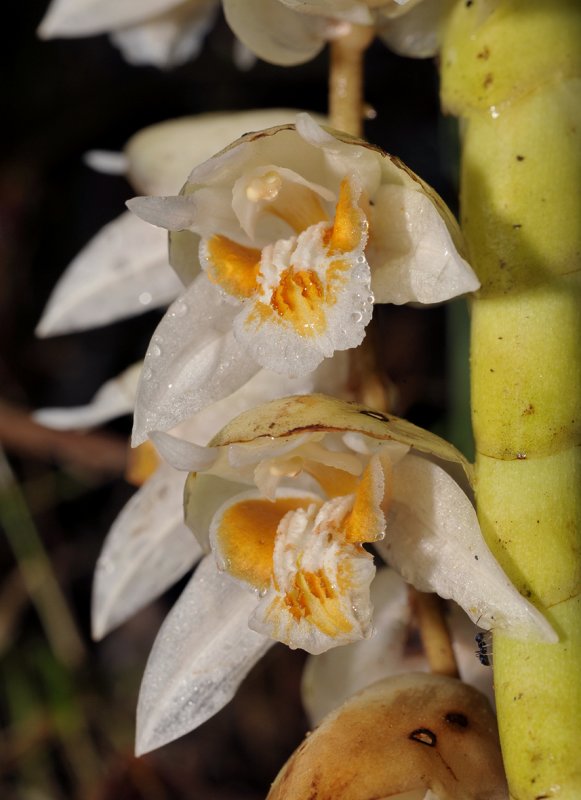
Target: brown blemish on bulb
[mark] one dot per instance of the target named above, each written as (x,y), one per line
(424,736)
(456,718)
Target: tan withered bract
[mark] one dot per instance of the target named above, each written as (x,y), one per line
(406,733)
(317,412)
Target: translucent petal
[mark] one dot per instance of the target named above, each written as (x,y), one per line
(434,541)
(123,270)
(83,17)
(202,653)
(182,455)
(169,39)
(412,252)
(193,360)
(147,549)
(275,33)
(114,399)
(343,158)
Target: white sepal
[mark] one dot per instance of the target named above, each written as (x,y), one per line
(202,653)
(434,541)
(122,271)
(192,361)
(115,398)
(147,549)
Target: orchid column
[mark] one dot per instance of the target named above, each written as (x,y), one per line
(510,70)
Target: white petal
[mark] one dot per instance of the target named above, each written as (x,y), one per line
(332,677)
(411,252)
(146,551)
(275,33)
(114,399)
(433,539)
(84,17)
(123,271)
(193,360)
(202,653)
(169,39)
(109,162)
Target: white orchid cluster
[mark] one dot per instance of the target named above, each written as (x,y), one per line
(280,245)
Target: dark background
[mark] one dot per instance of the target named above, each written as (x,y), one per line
(68,709)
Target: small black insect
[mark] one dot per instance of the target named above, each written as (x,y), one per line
(484,652)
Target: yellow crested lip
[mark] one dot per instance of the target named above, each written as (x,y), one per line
(243,533)
(297,282)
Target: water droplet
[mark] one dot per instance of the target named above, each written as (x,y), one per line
(147,373)
(155,350)
(494,112)
(145,298)
(356,316)
(180,308)
(361,259)
(370,299)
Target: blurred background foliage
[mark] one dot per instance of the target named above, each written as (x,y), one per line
(67,704)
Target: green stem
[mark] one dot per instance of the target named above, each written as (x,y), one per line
(510,70)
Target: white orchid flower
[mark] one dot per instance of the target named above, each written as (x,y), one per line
(164,33)
(289,236)
(332,677)
(285,497)
(124,269)
(290,32)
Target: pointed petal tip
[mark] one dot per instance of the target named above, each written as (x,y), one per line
(174,213)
